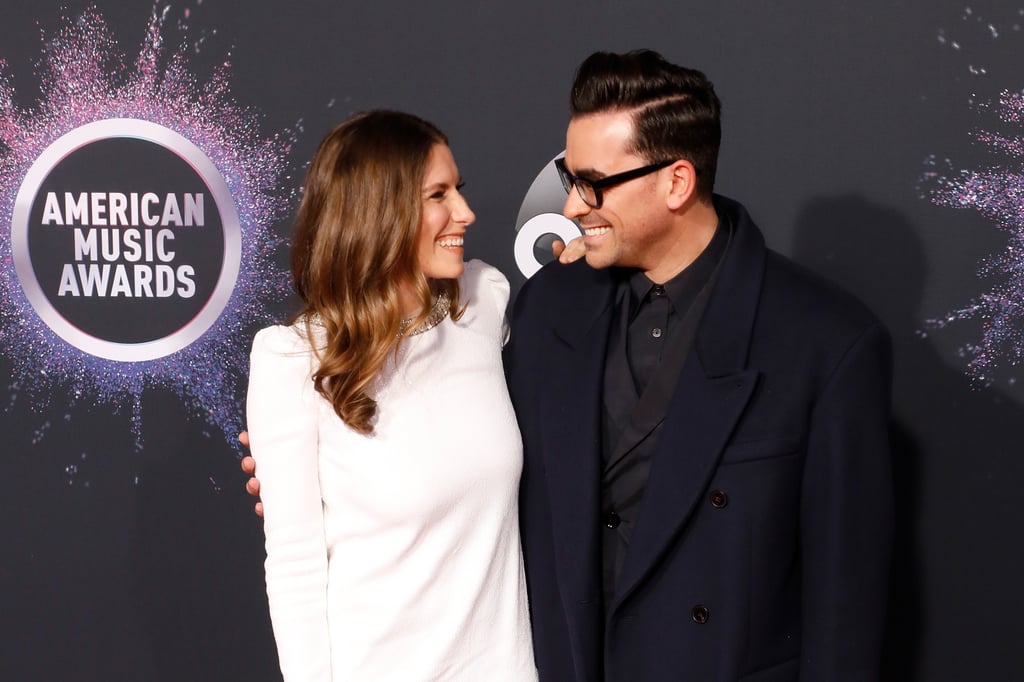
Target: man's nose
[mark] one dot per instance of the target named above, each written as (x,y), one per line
(574,206)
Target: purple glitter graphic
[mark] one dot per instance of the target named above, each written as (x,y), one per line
(84,79)
(996,191)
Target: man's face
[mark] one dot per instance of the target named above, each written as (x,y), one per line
(632,226)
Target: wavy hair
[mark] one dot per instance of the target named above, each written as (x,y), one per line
(676,113)
(354,246)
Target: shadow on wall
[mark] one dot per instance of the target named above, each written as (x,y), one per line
(955,580)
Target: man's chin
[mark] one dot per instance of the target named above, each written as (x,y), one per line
(597,260)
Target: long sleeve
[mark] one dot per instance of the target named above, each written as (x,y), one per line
(847,517)
(282,421)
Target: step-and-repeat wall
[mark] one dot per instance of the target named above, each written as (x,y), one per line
(150,160)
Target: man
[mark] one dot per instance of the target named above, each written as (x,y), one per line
(706,492)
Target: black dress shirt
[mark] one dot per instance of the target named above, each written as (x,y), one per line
(651,336)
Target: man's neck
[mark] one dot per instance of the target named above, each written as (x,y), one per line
(695,228)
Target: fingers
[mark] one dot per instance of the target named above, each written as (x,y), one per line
(557,247)
(243,438)
(252,486)
(573,251)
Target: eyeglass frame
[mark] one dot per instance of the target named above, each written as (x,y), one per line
(569,180)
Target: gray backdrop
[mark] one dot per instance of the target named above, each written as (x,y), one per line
(142,561)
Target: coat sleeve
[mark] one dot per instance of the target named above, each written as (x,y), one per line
(282,420)
(847,516)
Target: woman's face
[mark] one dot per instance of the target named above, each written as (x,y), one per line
(446,215)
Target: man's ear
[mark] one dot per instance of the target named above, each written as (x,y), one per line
(684,184)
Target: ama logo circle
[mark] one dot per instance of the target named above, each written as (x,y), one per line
(126,239)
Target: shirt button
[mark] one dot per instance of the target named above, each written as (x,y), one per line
(612,520)
(656,332)
(700,614)
(658,290)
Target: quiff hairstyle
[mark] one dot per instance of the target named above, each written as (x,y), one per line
(354,246)
(676,114)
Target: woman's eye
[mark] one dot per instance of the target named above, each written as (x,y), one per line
(437,195)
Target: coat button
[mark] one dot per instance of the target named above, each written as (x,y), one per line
(612,520)
(700,614)
(718,499)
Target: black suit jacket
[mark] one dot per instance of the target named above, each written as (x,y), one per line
(761,550)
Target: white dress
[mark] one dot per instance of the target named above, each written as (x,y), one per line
(396,556)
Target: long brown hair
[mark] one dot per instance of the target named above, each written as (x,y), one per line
(354,246)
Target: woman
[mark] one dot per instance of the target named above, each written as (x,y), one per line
(388,451)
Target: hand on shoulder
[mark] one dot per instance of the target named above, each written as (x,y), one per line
(568,253)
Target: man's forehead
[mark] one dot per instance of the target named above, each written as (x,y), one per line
(594,140)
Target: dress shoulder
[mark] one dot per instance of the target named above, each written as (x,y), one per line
(282,340)
(486,283)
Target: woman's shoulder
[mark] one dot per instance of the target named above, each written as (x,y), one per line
(487,291)
(480,277)
(284,340)
(477,269)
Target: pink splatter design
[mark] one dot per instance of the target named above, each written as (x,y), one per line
(996,191)
(85,78)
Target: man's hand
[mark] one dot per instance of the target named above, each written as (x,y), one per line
(248,464)
(567,254)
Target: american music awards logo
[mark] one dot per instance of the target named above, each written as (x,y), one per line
(140,199)
(126,240)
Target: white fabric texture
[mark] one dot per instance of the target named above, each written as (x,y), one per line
(396,556)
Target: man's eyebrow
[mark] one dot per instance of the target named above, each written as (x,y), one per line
(589,173)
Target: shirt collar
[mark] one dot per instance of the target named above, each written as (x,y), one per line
(688,283)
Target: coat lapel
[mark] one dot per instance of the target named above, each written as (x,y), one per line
(703,413)
(572,435)
(712,392)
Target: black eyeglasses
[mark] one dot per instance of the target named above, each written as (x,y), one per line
(592,191)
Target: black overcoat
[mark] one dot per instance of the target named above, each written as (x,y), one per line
(761,549)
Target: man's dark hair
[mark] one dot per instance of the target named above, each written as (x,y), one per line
(676,114)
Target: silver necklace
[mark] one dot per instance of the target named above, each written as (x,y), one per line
(438,311)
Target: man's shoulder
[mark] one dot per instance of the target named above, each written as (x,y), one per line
(577,273)
(808,299)
(791,306)
(559,284)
